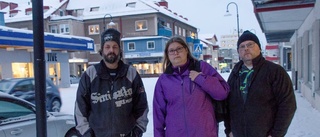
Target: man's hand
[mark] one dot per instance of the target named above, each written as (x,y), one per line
(193,74)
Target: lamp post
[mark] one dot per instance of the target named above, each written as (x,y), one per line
(104,21)
(237,15)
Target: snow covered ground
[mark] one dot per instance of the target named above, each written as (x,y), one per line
(306,121)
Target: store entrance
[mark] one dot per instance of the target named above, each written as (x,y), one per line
(54,72)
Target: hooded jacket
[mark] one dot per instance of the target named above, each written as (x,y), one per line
(110,108)
(182,108)
(270,103)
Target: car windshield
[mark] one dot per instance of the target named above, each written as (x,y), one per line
(5,86)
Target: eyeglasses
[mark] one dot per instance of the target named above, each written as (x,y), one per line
(173,51)
(248,45)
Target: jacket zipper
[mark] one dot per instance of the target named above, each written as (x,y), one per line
(184,106)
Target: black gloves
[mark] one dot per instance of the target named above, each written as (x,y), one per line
(136,132)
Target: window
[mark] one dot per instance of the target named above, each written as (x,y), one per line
(64,28)
(150,45)
(53,29)
(183,32)
(94,9)
(61,13)
(79,12)
(309,67)
(175,30)
(168,25)
(94,29)
(131,46)
(179,31)
(12,109)
(141,25)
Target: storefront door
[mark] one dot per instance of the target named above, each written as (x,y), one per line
(54,72)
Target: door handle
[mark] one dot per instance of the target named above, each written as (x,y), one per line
(16,131)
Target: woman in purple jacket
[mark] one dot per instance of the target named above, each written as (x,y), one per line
(182,104)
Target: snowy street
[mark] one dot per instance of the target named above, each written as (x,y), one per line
(306,121)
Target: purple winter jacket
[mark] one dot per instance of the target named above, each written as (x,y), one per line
(182,108)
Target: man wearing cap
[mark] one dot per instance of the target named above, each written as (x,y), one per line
(111,100)
(261,101)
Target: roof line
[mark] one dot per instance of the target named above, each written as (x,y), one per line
(287,7)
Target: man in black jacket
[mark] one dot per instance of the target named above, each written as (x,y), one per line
(261,101)
(111,100)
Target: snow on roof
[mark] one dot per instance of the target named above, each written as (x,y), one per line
(25,4)
(53,34)
(115,8)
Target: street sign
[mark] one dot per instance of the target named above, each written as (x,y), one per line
(197,48)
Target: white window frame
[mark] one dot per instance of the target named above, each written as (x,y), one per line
(53,27)
(134,46)
(64,28)
(94,29)
(154,46)
(141,25)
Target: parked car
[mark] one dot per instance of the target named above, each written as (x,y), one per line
(25,88)
(18,118)
(74,79)
(225,70)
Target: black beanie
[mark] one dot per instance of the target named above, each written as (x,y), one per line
(247,35)
(110,35)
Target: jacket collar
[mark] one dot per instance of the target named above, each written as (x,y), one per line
(191,66)
(256,62)
(104,73)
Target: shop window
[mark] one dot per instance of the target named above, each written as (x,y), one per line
(54,72)
(131,46)
(22,70)
(141,25)
(94,29)
(150,45)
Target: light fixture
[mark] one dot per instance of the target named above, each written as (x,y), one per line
(10,49)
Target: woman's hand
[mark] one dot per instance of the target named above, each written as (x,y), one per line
(193,74)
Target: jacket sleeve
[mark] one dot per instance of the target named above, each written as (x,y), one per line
(82,106)
(140,103)
(286,102)
(212,82)
(159,110)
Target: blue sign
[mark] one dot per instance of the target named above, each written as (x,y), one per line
(197,48)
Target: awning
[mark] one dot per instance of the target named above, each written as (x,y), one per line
(279,19)
(12,37)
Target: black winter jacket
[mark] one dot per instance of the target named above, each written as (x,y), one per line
(270,103)
(110,108)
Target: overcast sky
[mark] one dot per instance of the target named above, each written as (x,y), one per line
(209,16)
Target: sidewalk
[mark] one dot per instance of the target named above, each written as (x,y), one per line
(306,121)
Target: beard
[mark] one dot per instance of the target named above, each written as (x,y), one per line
(110,58)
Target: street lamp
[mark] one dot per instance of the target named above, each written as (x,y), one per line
(228,14)
(104,21)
